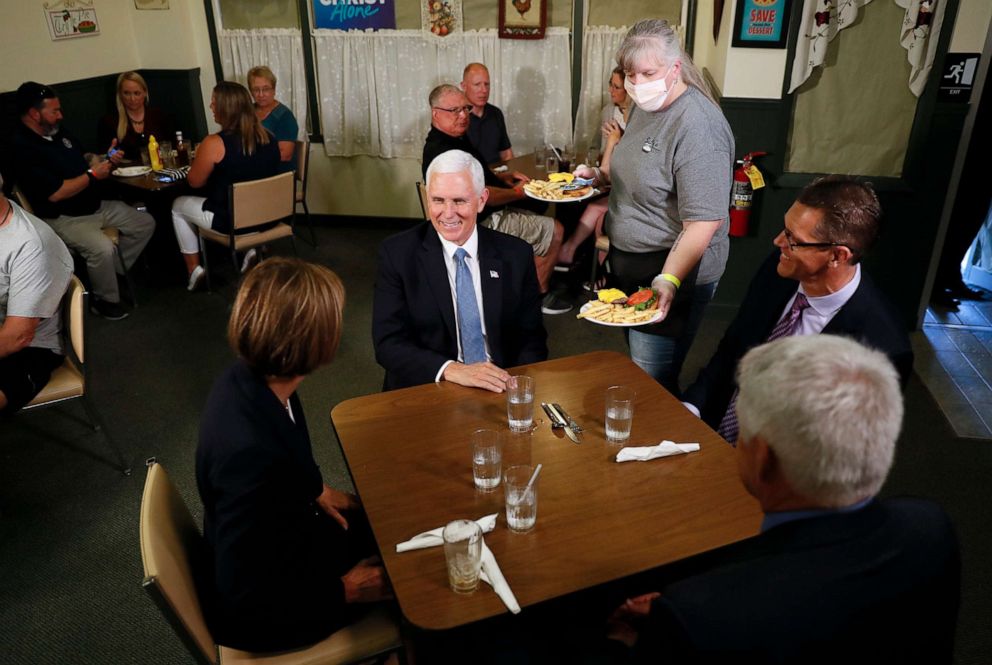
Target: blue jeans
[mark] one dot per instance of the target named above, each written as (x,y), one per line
(662,356)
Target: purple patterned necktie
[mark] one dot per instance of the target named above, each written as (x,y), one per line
(787,326)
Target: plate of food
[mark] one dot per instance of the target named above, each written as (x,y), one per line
(560,188)
(131,171)
(613,307)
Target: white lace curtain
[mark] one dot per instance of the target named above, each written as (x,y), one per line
(374,86)
(599,48)
(281,50)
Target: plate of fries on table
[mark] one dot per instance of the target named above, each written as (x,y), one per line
(613,307)
(560,188)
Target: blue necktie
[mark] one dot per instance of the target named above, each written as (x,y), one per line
(469,321)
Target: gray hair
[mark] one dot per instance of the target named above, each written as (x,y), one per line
(829,408)
(440,91)
(654,39)
(457,161)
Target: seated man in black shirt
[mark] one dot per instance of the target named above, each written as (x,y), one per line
(59,182)
(450,111)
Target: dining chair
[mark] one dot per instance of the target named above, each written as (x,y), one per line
(172,548)
(302,171)
(255,203)
(424,202)
(112,233)
(69,380)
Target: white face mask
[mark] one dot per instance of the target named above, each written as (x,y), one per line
(648,96)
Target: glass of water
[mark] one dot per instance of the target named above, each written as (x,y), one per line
(521,499)
(520,402)
(463,554)
(619,413)
(487,459)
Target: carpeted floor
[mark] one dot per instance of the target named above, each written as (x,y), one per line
(70,569)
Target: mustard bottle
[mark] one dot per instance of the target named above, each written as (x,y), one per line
(153,155)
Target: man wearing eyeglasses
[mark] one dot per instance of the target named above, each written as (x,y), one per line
(812,284)
(450,111)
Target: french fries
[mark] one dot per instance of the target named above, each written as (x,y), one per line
(546,190)
(609,313)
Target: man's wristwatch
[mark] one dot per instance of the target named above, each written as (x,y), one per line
(91,175)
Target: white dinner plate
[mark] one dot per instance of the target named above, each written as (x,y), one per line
(570,199)
(655,319)
(131,171)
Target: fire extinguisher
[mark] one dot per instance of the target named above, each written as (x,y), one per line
(747,178)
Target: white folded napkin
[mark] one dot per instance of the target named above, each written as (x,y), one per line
(433,537)
(663,449)
(493,576)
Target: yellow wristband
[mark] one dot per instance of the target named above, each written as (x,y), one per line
(669,277)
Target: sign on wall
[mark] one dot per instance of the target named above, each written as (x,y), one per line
(354,14)
(958,77)
(69,18)
(761,24)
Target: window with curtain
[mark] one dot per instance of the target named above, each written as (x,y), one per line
(854,115)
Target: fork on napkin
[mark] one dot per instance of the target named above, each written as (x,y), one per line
(491,574)
(663,449)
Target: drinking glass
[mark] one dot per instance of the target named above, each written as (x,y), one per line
(487,459)
(567,155)
(592,157)
(619,413)
(550,161)
(521,500)
(520,403)
(540,159)
(463,554)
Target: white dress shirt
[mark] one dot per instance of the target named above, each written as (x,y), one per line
(471,247)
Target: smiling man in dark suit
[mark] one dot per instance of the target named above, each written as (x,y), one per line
(812,284)
(455,301)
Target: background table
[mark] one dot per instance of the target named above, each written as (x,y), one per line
(409,455)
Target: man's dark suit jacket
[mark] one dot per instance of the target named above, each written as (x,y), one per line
(413,317)
(879,585)
(271,579)
(866,317)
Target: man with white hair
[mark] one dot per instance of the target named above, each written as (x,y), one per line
(836,575)
(455,301)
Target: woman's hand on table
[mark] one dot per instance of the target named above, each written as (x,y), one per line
(333,502)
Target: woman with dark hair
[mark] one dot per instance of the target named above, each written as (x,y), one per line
(671,171)
(287,555)
(134,121)
(242,150)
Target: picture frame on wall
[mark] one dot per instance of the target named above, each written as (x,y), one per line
(68,20)
(761,24)
(523,19)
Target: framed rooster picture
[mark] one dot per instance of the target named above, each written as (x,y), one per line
(522,19)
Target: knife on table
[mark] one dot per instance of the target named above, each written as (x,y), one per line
(570,425)
(556,421)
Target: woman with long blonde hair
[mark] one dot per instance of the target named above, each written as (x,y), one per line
(134,121)
(242,150)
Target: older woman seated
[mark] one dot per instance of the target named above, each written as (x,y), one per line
(273,114)
(288,555)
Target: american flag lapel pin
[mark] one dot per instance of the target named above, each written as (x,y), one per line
(493,274)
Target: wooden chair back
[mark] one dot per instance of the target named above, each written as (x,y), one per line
(257,202)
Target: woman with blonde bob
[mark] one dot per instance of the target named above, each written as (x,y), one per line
(273,114)
(242,150)
(288,556)
(671,170)
(134,121)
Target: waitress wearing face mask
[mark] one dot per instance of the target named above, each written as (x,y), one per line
(670,174)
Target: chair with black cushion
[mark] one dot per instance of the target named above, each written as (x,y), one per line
(302,171)
(255,203)
(172,549)
(69,380)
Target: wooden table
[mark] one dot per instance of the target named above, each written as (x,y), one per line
(598,521)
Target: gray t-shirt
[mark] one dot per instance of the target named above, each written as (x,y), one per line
(671,166)
(35,267)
